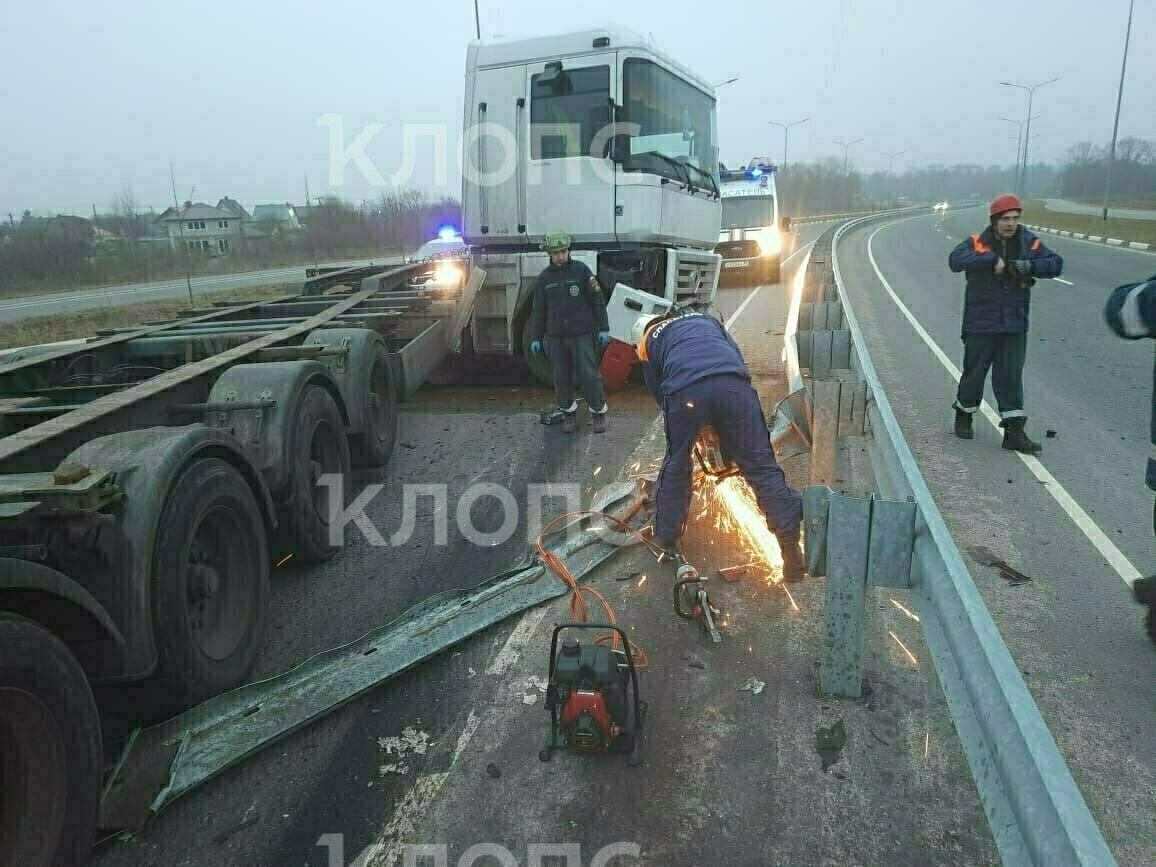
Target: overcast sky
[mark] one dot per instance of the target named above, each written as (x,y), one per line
(99,97)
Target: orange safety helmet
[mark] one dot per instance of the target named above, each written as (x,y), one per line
(1006,202)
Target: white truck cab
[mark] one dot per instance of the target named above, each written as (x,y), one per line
(600,135)
(750,240)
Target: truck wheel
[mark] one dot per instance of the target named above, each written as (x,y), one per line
(210,584)
(373,447)
(50,750)
(540,367)
(319,448)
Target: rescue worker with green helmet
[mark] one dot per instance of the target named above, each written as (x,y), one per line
(568,315)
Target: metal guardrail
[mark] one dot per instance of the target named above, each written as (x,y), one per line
(898,538)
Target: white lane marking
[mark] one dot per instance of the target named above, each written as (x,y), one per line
(757,289)
(1065,282)
(1115,557)
(415,804)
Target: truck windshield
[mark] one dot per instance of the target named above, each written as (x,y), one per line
(675,118)
(567,110)
(747,212)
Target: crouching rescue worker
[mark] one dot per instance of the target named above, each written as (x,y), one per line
(1001,264)
(569,312)
(1131,313)
(696,373)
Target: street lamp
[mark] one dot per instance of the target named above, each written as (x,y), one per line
(846,147)
(728,81)
(891,155)
(1119,99)
(786,130)
(1019,145)
(1031,89)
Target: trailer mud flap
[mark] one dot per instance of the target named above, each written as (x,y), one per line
(160,764)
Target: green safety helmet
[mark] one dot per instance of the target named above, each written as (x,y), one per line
(555,242)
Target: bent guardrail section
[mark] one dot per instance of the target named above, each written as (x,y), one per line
(899,539)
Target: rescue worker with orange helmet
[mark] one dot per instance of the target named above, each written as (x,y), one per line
(1001,265)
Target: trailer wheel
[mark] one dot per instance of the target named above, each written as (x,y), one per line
(318,448)
(210,584)
(374,446)
(50,750)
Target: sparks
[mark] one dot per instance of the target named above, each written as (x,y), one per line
(689,405)
(910,655)
(641,580)
(597,470)
(926,743)
(792,598)
(914,617)
(737,511)
(285,559)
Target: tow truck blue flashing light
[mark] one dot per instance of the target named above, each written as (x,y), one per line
(448,233)
(756,172)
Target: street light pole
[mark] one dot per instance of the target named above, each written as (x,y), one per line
(1119,100)
(786,130)
(846,148)
(1031,89)
(891,155)
(728,81)
(477,20)
(1019,148)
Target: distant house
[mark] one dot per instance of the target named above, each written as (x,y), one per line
(204,229)
(271,221)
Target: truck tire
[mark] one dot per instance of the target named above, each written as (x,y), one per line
(540,368)
(50,750)
(370,389)
(210,584)
(373,447)
(318,447)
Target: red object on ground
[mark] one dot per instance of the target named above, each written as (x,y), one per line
(617,361)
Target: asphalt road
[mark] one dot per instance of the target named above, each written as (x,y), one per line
(274,809)
(1063,206)
(1074,631)
(12,309)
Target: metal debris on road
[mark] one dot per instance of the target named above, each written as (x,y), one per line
(753,686)
(734,573)
(1051,434)
(985,557)
(407,445)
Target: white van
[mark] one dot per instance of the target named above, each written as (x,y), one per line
(751,236)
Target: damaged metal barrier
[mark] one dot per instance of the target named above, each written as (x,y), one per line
(162,763)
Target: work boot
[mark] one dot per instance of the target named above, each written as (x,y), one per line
(599,422)
(569,422)
(794,565)
(963,428)
(1016,440)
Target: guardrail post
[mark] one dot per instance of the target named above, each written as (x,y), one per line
(848,543)
(825,431)
(856,543)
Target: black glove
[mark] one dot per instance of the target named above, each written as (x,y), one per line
(1020,267)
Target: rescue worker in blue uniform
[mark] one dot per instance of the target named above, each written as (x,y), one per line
(1131,313)
(1001,264)
(569,314)
(696,373)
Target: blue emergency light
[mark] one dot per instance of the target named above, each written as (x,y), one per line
(447,233)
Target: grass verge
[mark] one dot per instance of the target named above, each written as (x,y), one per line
(1143,231)
(85,323)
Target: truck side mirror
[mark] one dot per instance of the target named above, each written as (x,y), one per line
(785,224)
(618,147)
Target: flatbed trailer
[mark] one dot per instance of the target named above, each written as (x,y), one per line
(149,480)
